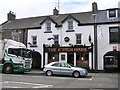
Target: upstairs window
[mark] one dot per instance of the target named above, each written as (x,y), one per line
(16,36)
(48,26)
(112,13)
(34,40)
(56,39)
(78,38)
(114,35)
(70,24)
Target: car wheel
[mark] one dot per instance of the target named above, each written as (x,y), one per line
(8,69)
(49,73)
(76,74)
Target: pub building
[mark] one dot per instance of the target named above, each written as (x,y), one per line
(77,55)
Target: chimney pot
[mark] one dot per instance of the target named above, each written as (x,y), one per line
(55,11)
(11,16)
(94,8)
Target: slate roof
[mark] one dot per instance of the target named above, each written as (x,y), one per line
(83,18)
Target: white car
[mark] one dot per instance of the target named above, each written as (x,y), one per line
(63,68)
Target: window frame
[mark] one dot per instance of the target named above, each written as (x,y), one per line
(56,39)
(70,24)
(112,13)
(114,34)
(79,40)
(48,26)
(34,40)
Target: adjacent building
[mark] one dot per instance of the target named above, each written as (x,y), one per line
(87,39)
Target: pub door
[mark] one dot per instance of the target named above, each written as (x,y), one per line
(70,58)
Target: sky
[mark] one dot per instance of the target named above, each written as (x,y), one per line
(33,8)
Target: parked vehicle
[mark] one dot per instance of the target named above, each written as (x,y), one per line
(14,57)
(63,68)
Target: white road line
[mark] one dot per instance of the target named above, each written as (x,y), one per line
(34,85)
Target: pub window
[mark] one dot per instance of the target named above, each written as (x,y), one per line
(53,57)
(56,39)
(78,38)
(34,40)
(48,26)
(70,24)
(82,59)
(112,13)
(114,34)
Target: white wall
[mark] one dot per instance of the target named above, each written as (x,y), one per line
(42,37)
(103,39)
(103,43)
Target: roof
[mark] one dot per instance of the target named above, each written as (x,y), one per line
(81,18)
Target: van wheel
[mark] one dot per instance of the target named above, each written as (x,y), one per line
(76,74)
(8,69)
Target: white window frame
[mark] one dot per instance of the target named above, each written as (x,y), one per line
(116,13)
(48,26)
(80,40)
(70,24)
(34,40)
(56,39)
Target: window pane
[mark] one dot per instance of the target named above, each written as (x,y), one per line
(56,39)
(70,24)
(78,38)
(114,35)
(112,13)
(34,40)
(48,25)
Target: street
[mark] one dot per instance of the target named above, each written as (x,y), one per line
(36,79)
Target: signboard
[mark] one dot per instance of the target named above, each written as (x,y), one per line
(114,47)
(66,49)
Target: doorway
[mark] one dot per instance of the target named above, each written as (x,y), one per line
(36,62)
(70,58)
(112,61)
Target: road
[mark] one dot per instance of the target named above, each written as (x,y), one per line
(39,80)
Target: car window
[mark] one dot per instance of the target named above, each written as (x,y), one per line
(56,65)
(64,65)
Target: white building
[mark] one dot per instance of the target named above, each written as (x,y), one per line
(71,36)
(88,39)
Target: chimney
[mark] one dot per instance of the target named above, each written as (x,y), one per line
(94,8)
(55,11)
(11,16)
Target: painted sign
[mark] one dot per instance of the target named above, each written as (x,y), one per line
(67,49)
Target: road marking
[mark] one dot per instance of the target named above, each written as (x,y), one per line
(55,77)
(10,84)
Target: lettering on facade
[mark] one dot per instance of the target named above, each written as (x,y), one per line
(67,49)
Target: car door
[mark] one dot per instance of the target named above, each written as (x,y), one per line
(55,68)
(65,69)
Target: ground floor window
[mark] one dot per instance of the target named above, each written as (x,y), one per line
(53,57)
(82,59)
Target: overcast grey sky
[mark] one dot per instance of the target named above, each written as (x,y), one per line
(32,8)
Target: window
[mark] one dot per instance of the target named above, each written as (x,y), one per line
(56,64)
(70,24)
(114,35)
(56,39)
(16,36)
(48,26)
(78,38)
(34,40)
(112,13)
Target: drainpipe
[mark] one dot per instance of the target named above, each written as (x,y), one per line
(95,9)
